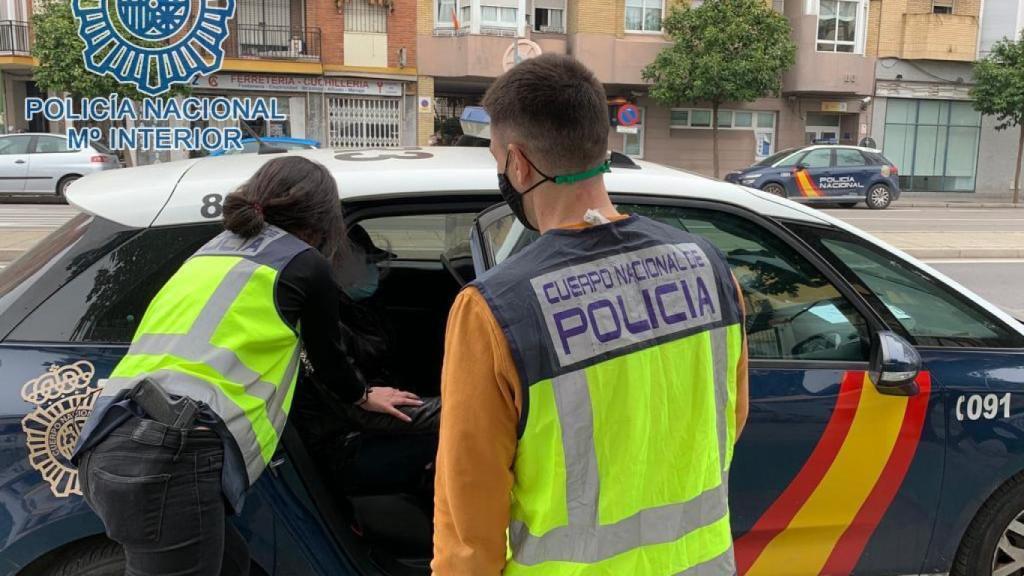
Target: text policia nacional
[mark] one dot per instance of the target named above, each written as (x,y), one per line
(155,110)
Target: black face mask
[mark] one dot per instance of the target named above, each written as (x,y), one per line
(513,198)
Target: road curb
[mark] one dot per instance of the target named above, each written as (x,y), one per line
(965,253)
(967,205)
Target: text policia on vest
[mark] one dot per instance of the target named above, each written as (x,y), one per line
(614,301)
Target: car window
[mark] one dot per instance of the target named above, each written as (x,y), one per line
(14,145)
(793,311)
(789,160)
(931,312)
(820,158)
(421,237)
(771,160)
(106,301)
(847,158)
(51,144)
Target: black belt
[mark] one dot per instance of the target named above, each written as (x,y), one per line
(153,433)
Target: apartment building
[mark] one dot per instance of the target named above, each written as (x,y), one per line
(465,44)
(343,71)
(923,117)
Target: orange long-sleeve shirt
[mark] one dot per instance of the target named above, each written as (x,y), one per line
(481,403)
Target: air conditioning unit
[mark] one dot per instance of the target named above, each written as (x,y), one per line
(296,46)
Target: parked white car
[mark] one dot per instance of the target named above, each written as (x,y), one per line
(43,164)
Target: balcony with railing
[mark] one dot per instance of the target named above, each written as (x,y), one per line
(274,42)
(14,38)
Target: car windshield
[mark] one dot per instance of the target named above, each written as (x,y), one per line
(771,160)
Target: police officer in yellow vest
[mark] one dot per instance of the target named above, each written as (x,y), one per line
(194,412)
(594,383)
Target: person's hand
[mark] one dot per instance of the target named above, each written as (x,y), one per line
(387,400)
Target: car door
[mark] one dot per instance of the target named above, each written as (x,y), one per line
(50,159)
(14,161)
(851,174)
(810,170)
(827,465)
(977,357)
(68,311)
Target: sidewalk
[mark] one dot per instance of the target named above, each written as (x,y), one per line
(957,245)
(953,204)
(15,241)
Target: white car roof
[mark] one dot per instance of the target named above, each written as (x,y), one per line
(172,193)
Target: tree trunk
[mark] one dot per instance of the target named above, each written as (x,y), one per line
(1020,157)
(714,136)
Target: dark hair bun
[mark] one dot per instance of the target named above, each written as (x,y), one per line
(241,216)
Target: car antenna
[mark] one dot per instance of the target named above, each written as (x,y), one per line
(264,147)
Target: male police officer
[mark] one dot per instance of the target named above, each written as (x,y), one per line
(593,384)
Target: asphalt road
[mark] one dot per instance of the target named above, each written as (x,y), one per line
(998,281)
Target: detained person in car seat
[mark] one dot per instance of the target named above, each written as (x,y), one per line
(168,453)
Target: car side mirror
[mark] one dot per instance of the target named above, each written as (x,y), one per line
(800,166)
(894,365)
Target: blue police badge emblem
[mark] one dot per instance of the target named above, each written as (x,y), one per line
(155,43)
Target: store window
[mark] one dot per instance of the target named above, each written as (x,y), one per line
(934,143)
(727,119)
(839,25)
(362,16)
(363,122)
(644,15)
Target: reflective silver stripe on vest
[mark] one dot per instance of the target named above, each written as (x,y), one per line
(584,540)
(195,346)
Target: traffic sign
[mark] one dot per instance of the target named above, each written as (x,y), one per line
(629,115)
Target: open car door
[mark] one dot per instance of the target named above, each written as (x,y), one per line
(832,473)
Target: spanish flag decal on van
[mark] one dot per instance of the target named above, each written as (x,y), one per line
(822,521)
(806,186)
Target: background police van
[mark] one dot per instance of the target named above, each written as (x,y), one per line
(885,435)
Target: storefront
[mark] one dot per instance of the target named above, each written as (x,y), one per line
(338,112)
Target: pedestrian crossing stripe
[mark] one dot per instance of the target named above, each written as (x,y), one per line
(806,186)
(822,521)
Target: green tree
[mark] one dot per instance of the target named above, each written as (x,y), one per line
(58,47)
(999,91)
(722,51)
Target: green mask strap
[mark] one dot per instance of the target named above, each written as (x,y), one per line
(604,168)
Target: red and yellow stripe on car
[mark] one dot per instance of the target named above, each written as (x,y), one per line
(806,186)
(822,521)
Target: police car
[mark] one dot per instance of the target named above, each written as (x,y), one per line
(844,175)
(886,430)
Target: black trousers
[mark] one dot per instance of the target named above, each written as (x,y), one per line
(158,491)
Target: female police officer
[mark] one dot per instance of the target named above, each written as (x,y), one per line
(193,413)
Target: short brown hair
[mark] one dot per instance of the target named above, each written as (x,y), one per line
(554,107)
